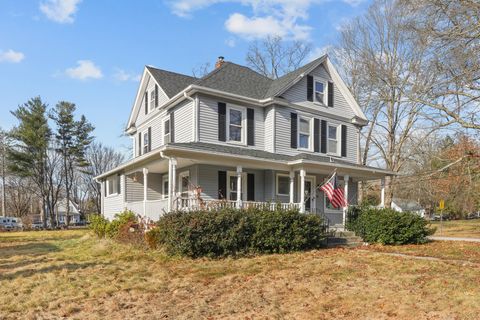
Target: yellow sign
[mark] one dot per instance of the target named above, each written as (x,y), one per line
(441,205)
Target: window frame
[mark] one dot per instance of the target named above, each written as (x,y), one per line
(310,133)
(169,134)
(277,184)
(166,179)
(146,142)
(244,185)
(113,179)
(243,122)
(325,90)
(151,101)
(338,138)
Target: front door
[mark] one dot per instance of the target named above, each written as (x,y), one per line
(309,194)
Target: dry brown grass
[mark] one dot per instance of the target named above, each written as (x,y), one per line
(50,275)
(458,228)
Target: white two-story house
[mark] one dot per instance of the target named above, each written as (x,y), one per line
(237,138)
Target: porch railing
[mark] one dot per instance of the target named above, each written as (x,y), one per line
(186,204)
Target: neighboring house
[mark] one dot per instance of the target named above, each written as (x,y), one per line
(403,205)
(237,138)
(61,212)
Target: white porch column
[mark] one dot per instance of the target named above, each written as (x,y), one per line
(239,187)
(292,186)
(346,178)
(382,193)
(145,190)
(172,168)
(302,190)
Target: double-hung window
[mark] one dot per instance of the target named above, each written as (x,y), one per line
(333,139)
(283,185)
(165,186)
(146,142)
(320,91)
(151,106)
(304,133)
(166,131)
(113,184)
(235,124)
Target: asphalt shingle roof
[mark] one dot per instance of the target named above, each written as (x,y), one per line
(231,78)
(171,82)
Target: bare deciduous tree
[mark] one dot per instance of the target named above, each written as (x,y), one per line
(451,31)
(383,64)
(274,57)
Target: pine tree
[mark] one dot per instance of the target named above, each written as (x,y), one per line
(72,137)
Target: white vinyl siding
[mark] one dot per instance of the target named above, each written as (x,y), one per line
(115,203)
(298,94)
(141,117)
(269,128)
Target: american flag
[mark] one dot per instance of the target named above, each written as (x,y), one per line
(334,193)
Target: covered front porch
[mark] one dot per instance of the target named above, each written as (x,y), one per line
(186,180)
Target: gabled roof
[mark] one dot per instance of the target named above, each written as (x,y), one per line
(236,79)
(171,82)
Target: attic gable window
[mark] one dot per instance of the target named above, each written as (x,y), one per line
(320,91)
(151,106)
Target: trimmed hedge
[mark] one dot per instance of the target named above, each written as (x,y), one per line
(231,232)
(387,226)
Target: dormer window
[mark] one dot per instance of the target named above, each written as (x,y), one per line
(320,91)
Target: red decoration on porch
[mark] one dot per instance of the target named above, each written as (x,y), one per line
(334,192)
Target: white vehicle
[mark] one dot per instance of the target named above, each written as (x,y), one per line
(11,223)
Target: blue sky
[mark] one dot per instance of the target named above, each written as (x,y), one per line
(91,52)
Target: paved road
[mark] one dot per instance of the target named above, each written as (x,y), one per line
(454,239)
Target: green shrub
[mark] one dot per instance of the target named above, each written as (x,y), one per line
(120,219)
(152,238)
(387,226)
(230,232)
(98,224)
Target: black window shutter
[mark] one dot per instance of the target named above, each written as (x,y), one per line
(156,96)
(250,127)
(250,187)
(330,93)
(310,88)
(172,126)
(222,121)
(344,140)
(139,152)
(316,135)
(146,102)
(293,130)
(323,135)
(222,184)
(149,138)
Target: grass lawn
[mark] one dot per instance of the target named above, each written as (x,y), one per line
(53,274)
(458,228)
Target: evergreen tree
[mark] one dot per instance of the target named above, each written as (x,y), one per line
(28,155)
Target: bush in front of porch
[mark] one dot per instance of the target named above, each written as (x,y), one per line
(233,232)
(387,226)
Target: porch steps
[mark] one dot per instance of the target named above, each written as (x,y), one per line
(337,238)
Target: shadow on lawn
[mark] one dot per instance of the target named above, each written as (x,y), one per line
(48,269)
(29,249)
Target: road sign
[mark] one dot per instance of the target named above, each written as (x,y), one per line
(441,205)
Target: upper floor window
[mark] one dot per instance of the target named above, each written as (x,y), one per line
(320,91)
(235,120)
(166,131)
(151,106)
(146,142)
(304,133)
(332,139)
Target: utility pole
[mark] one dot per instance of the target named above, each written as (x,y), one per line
(3,151)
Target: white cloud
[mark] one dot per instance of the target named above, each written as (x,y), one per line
(61,11)
(353,3)
(11,56)
(85,70)
(122,75)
